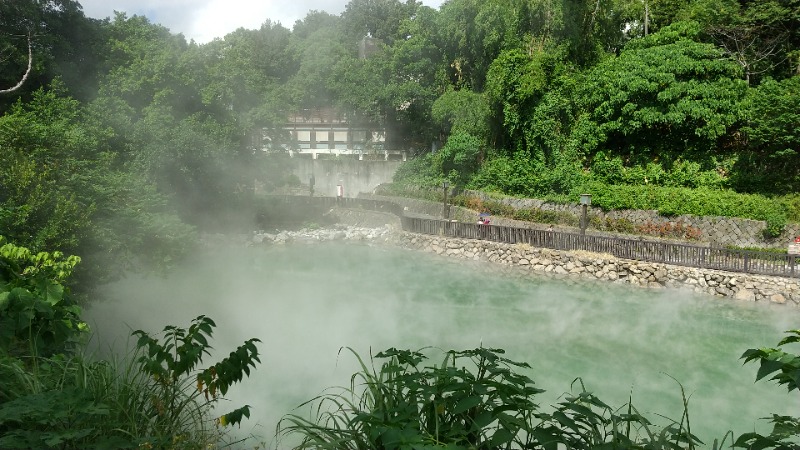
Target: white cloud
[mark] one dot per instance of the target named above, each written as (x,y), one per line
(204,20)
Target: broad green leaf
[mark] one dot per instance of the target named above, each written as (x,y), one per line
(500,437)
(466,403)
(767,367)
(54,293)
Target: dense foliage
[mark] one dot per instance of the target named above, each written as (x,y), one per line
(38,316)
(159,396)
(480,399)
(538,98)
(123,140)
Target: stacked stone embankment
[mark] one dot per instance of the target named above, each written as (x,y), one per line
(556,263)
(744,287)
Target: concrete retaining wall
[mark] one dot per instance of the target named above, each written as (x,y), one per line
(355,176)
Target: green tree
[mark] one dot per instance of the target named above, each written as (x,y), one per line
(463,111)
(460,157)
(146,61)
(769,162)
(516,84)
(61,188)
(175,123)
(417,77)
(472,34)
(319,46)
(762,36)
(240,77)
(380,19)
(666,84)
(47,152)
(592,29)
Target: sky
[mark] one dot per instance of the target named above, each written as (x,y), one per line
(204,20)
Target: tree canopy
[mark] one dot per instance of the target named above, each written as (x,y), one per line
(545,92)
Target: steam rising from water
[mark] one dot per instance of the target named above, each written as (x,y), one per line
(306,302)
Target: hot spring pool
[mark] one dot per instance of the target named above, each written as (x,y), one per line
(306,302)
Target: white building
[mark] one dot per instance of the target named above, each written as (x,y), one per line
(327,132)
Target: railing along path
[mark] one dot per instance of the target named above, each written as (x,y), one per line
(747,261)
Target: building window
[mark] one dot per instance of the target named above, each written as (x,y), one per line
(304,135)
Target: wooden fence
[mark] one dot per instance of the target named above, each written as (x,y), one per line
(747,261)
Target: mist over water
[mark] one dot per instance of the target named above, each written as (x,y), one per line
(306,302)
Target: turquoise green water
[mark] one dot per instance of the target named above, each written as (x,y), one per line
(307,302)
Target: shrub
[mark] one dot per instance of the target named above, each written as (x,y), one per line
(180,395)
(156,398)
(677,230)
(519,175)
(468,201)
(37,314)
(525,214)
(545,216)
(792,206)
(776,223)
(671,201)
(621,225)
(497,208)
(681,173)
(459,158)
(422,172)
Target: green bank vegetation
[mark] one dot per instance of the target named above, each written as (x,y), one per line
(161,395)
(120,141)
(477,399)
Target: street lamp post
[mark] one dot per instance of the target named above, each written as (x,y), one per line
(586,200)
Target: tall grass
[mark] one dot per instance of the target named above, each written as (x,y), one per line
(62,402)
(472,399)
(78,403)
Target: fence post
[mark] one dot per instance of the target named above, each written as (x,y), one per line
(445,208)
(746,262)
(791,265)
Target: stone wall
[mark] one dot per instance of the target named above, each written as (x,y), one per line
(716,230)
(743,287)
(433,210)
(721,231)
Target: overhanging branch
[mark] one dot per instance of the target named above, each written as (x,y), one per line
(27,72)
